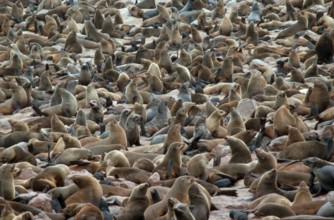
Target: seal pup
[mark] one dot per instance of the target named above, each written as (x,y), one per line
(132,130)
(181,210)
(7,188)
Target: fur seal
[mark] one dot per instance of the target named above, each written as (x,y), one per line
(15,154)
(322,170)
(83,211)
(73,154)
(92,33)
(179,191)
(268,184)
(255,85)
(272,198)
(124,117)
(8,212)
(129,173)
(115,158)
(324,48)
(252,36)
(302,24)
(213,124)
(90,191)
(196,166)
(144,164)
(326,210)
(173,135)
(318,97)
(117,136)
(161,17)
(68,106)
(63,192)
(132,94)
(172,161)
(239,150)
(36,147)
(18,125)
(50,178)
(304,149)
(282,120)
(132,130)
(200,201)
(303,195)
(275,210)
(235,124)
(96,112)
(136,203)
(7,188)
(181,210)
(57,125)
(16,102)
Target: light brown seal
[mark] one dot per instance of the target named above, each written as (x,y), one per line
(90,191)
(179,190)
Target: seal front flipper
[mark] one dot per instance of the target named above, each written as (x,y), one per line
(104,207)
(55,203)
(259,136)
(155,196)
(36,109)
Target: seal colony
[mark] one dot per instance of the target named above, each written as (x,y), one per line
(198,109)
